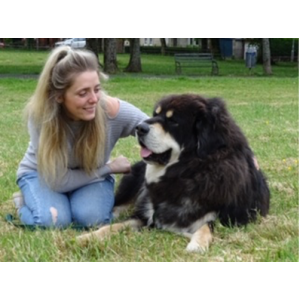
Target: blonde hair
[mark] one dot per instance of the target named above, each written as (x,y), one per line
(47,115)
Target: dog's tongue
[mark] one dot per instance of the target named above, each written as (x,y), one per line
(145,152)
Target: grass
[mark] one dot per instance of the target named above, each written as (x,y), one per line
(21,62)
(266,108)
(31,62)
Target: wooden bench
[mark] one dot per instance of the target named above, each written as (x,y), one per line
(195,60)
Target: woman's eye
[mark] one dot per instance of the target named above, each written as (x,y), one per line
(82,94)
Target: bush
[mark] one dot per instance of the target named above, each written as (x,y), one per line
(7,41)
(283,47)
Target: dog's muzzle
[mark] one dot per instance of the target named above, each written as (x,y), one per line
(142,129)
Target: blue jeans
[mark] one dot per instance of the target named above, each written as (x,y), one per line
(87,206)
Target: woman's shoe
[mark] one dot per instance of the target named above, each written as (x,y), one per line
(18,200)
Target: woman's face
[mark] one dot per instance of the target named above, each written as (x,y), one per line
(81,98)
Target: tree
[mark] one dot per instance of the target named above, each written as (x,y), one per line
(204,45)
(30,43)
(100,45)
(293,48)
(93,45)
(215,46)
(135,57)
(110,56)
(163,46)
(266,56)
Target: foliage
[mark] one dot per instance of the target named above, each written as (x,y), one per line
(7,41)
(283,47)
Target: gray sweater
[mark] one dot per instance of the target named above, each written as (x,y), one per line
(120,126)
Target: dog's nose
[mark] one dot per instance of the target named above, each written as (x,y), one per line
(142,129)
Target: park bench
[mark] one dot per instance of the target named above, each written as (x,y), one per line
(195,60)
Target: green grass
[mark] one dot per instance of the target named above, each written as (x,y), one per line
(21,62)
(265,108)
(31,62)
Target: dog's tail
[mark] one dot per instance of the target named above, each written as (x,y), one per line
(130,184)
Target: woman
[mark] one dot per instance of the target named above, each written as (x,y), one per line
(65,175)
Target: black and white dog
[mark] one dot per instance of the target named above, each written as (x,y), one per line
(197,166)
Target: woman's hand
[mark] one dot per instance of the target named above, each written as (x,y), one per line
(120,165)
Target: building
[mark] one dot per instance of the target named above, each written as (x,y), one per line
(228,47)
(171,42)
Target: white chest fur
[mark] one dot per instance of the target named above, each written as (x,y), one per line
(154,172)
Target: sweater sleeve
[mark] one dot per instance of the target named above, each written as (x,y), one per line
(128,118)
(77,178)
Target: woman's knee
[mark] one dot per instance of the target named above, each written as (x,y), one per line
(90,217)
(47,218)
(56,218)
(92,205)
(42,206)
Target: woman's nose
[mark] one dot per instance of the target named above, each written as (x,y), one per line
(94,97)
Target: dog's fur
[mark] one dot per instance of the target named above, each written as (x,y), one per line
(197,166)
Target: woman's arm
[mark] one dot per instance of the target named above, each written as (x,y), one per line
(77,178)
(127,118)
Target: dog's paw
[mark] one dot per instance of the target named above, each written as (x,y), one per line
(193,246)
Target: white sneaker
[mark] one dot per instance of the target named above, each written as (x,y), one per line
(18,200)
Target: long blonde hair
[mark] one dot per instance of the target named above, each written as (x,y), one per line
(48,117)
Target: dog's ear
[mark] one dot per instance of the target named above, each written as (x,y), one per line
(209,128)
(218,113)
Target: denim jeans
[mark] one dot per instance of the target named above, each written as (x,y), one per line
(87,206)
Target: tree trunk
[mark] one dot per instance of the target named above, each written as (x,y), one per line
(93,45)
(298,53)
(204,45)
(163,46)
(100,45)
(120,45)
(266,56)
(215,46)
(30,43)
(135,57)
(110,56)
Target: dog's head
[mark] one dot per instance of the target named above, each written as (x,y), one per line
(186,124)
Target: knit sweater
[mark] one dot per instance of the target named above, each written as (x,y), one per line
(122,125)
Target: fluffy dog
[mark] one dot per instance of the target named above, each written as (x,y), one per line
(197,166)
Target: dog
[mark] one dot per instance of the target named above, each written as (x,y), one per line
(196,166)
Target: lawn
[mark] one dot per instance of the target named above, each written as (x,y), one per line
(266,108)
(31,62)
